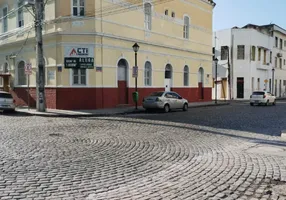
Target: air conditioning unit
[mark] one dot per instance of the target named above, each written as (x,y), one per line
(267,63)
(279,55)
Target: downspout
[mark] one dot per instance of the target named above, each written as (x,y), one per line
(101,44)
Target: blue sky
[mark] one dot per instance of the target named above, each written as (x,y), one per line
(230,13)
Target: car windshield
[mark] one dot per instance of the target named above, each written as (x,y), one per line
(258,93)
(156,94)
(6,96)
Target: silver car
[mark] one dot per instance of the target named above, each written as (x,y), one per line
(6,102)
(166,101)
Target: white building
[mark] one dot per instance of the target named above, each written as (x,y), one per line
(254,53)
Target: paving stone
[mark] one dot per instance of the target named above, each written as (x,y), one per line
(181,155)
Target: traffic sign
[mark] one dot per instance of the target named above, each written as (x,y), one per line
(28,69)
(135,72)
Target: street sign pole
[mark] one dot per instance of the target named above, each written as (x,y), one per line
(28,91)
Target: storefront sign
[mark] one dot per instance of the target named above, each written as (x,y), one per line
(79,57)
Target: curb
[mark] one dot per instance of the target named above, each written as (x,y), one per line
(106,115)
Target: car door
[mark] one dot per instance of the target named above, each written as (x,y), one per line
(270,97)
(169,99)
(177,100)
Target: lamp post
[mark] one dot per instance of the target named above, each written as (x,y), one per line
(273,70)
(136,49)
(216,61)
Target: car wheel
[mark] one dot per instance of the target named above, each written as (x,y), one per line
(267,103)
(251,104)
(185,107)
(274,103)
(166,108)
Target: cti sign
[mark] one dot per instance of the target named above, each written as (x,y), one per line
(78,57)
(79,52)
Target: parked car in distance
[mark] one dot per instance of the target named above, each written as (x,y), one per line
(262,97)
(6,102)
(166,101)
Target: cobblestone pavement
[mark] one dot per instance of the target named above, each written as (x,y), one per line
(129,158)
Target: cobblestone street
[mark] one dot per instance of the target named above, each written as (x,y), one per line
(227,152)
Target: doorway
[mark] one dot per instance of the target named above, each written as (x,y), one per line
(201,83)
(168,77)
(122,78)
(240,87)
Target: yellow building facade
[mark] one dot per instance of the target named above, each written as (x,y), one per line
(88,50)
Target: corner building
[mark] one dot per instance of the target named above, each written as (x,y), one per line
(175,39)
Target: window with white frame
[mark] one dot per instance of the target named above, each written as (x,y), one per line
(5,19)
(79,76)
(186,27)
(148,74)
(78,8)
(186,76)
(20,22)
(148,15)
(21,74)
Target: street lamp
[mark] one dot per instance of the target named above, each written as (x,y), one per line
(216,61)
(273,70)
(136,49)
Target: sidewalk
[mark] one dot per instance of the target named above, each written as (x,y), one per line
(102,112)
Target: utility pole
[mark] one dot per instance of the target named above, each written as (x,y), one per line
(41,100)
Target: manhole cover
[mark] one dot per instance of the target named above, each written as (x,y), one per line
(268,149)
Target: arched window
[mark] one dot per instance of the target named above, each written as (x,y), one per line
(186,76)
(186,27)
(21,74)
(253,53)
(173,14)
(148,74)
(148,15)
(166,12)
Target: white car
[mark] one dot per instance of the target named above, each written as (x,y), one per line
(166,101)
(6,102)
(262,97)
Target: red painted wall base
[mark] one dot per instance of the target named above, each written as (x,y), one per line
(96,98)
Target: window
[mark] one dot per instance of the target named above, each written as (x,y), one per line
(186,76)
(223,53)
(20,13)
(148,74)
(275,61)
(253,48)
(79,76)
(280,62)
(78,8)
(258,84)
(166,12)
(284,43)
(240,52)
(173,15)
(259,54)
(5,19)
(276,41)
(264,57)
(270,57)
(284,62)
(21,73)
(148,16)
(281,44)
(186,27)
